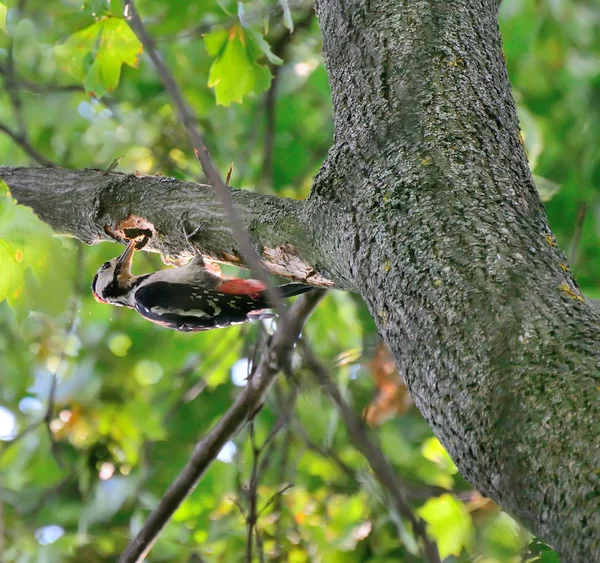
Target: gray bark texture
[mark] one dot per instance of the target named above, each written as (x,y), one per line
(426,207)
(446,240)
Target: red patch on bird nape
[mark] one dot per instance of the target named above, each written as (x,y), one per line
(251,288)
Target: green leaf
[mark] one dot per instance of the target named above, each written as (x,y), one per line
(3,12)
(74,55)
(17,252)
(542,553)
(287,15)
(96,8)
(434,451)
(395,446)
(235,73)
(27,244)
(449,523)
(215,41)
(266,48)
(11,280)
(96,54)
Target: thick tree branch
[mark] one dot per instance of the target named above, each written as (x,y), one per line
(248,402)
(83,203)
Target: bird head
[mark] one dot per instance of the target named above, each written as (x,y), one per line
(114,281)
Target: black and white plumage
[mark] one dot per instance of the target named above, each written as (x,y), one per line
(189,299)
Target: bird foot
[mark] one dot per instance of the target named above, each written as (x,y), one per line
(190,235)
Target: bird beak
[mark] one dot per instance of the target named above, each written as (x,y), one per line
(124,261)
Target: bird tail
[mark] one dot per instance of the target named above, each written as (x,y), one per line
(260,315)
(292,289)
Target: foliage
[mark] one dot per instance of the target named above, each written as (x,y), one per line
(235,71)
(131,398)
(94,55)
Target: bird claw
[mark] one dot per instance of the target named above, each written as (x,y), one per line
(190,235)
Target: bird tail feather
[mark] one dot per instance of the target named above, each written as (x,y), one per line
(292,289)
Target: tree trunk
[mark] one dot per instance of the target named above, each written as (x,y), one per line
(440,227)
(427,208)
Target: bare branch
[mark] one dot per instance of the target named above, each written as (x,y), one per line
(275,497)
(247,403)
(357,432)
(27,430)
(21,140)
(279,47)
(10,82)
(252,516)
(82,203)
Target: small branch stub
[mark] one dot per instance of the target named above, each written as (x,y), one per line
(284,261)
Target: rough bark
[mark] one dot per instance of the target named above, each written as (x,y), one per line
(84,203)
(448,244)
(427,208)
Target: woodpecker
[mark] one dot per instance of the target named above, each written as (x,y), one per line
(190,298)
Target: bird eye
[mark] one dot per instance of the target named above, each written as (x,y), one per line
(105,265)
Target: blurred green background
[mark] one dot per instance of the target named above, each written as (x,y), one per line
(130,399)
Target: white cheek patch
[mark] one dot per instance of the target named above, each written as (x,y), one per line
(103,280)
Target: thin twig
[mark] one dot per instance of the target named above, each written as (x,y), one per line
(50,414)
(209,365)
(260,550)
(328,454)
(381,467)
(22,141)
(251,17)
(282,421)
(44,496)
(252,516)
(200,149)
(71,328)
(27,430)
(20,136)
(261,458)
(205,452)
(275,496)
(37,88)
(279,48)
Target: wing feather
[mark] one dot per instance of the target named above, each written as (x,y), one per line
(190,308)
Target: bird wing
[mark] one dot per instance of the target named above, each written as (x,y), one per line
(191,308)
